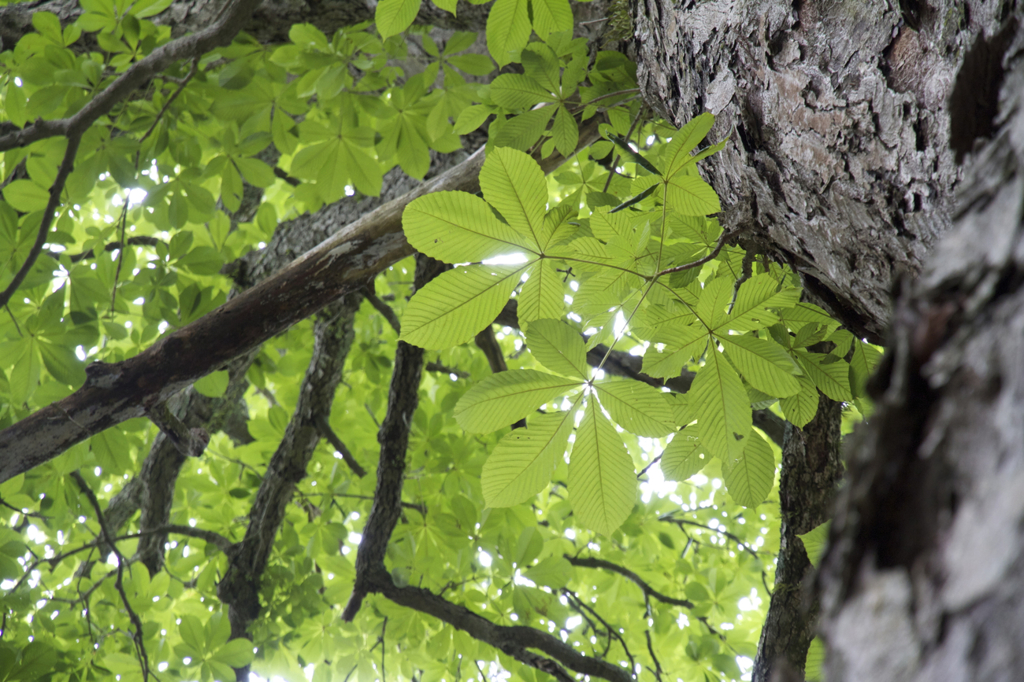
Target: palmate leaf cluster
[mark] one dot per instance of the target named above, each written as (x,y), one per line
(213,160)
(741,328)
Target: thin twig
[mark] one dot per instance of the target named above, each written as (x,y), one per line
(445,369)
(650,650)
(385,310)
(669,518)
(324,427)
(725,236)
(48,215)
(108,537)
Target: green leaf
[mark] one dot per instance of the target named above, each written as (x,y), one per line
(472,118)
(800,409)
(26,196)
(669,364)
(551,16)
(677,153)
(749,477)
(862,363)
(815,541)
(602,480)
(516,91)
(815,662)
(456,227)
(690,195)
(508,29)
(473,64)
(753,300)
(507,397)
(236,653)
(559,348)
(542,295)
(721,407)
(456,305)
(682,457)
(522,463)
(394,16)
(637,407)
(513,183)
(565,132)
(764,364)
(554,572)
(62,363)
(523,131)
(830,375)
(213,385)
(191,630)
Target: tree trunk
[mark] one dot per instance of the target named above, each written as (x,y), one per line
(851,125)
(811,471)
(923,580)
(840,161)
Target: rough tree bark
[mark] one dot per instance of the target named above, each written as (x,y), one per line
(923,580)
(850,122)
(811,471)
(840,161)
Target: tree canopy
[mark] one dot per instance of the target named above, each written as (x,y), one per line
(397,352)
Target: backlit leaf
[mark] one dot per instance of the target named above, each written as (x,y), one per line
(749,476)
(637,407)
(558,347)
(456,305)
(456,227)
(506,397)
(520,466)
(602,480)
(721,407)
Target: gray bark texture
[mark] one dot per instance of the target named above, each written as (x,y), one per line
(923,580)
(840,161)
(852,125)
(811,471)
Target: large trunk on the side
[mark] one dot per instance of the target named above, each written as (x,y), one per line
(852,125)
(923,579)
(840,161)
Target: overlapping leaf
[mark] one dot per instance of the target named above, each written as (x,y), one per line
(513,183)
(602,480)
(456,227)
(456,305)
(506,397)
(558,347)
(520,466)
(721,407)
(637,407)
(682,457)
(749,477)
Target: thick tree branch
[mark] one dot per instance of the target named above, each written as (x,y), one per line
(342,263)
(393,435)
(239,589)
(514,641)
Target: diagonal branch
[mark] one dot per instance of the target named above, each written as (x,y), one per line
(341,264)
(239,589)
(233,17)
(591,562)
(393,435)
(514,641)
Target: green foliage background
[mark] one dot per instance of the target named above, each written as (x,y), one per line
(494,519)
